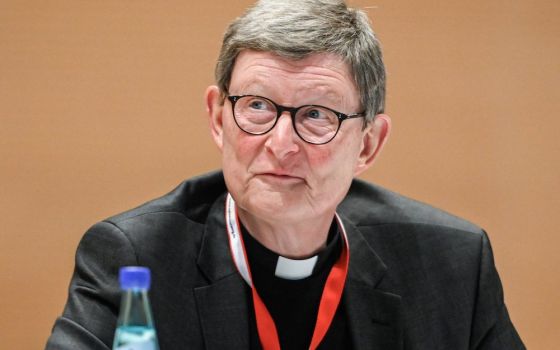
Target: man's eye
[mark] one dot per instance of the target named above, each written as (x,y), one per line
(257,104)
(315,114)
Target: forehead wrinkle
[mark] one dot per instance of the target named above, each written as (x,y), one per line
(254,85)
(316,94)
(307,71)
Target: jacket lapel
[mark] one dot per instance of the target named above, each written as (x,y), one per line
(223,303)
(374,315)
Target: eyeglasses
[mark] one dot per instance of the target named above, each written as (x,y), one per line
(257,115)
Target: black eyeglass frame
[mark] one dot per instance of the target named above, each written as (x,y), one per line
(292,110)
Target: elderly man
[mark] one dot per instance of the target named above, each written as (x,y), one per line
(284,248)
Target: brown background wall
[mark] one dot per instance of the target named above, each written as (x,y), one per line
(101,109)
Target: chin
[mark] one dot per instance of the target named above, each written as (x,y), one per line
(273,205)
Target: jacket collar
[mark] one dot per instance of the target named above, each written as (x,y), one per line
(374,315)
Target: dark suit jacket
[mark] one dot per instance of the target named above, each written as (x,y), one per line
(418,278)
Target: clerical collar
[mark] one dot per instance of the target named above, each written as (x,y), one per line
(271,264)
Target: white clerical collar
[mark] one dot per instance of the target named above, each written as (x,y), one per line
(295,269)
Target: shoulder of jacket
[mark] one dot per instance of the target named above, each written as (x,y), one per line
(192,199)
(367,204)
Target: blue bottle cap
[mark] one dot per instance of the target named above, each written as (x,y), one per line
(134,277)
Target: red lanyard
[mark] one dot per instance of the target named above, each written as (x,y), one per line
(332,292)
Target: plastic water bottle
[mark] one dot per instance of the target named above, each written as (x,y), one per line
(135,325)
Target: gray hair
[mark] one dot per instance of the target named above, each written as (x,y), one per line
(295,29)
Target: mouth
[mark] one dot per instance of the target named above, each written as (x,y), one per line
(279,177)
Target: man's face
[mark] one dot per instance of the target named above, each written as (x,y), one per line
(277,177)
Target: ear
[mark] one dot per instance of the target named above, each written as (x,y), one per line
(214,108)
(374,138)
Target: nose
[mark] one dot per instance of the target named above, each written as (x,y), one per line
(283,140)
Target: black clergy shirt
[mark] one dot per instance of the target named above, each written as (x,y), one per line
(293,304)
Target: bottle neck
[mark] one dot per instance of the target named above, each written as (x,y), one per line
(135,308)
